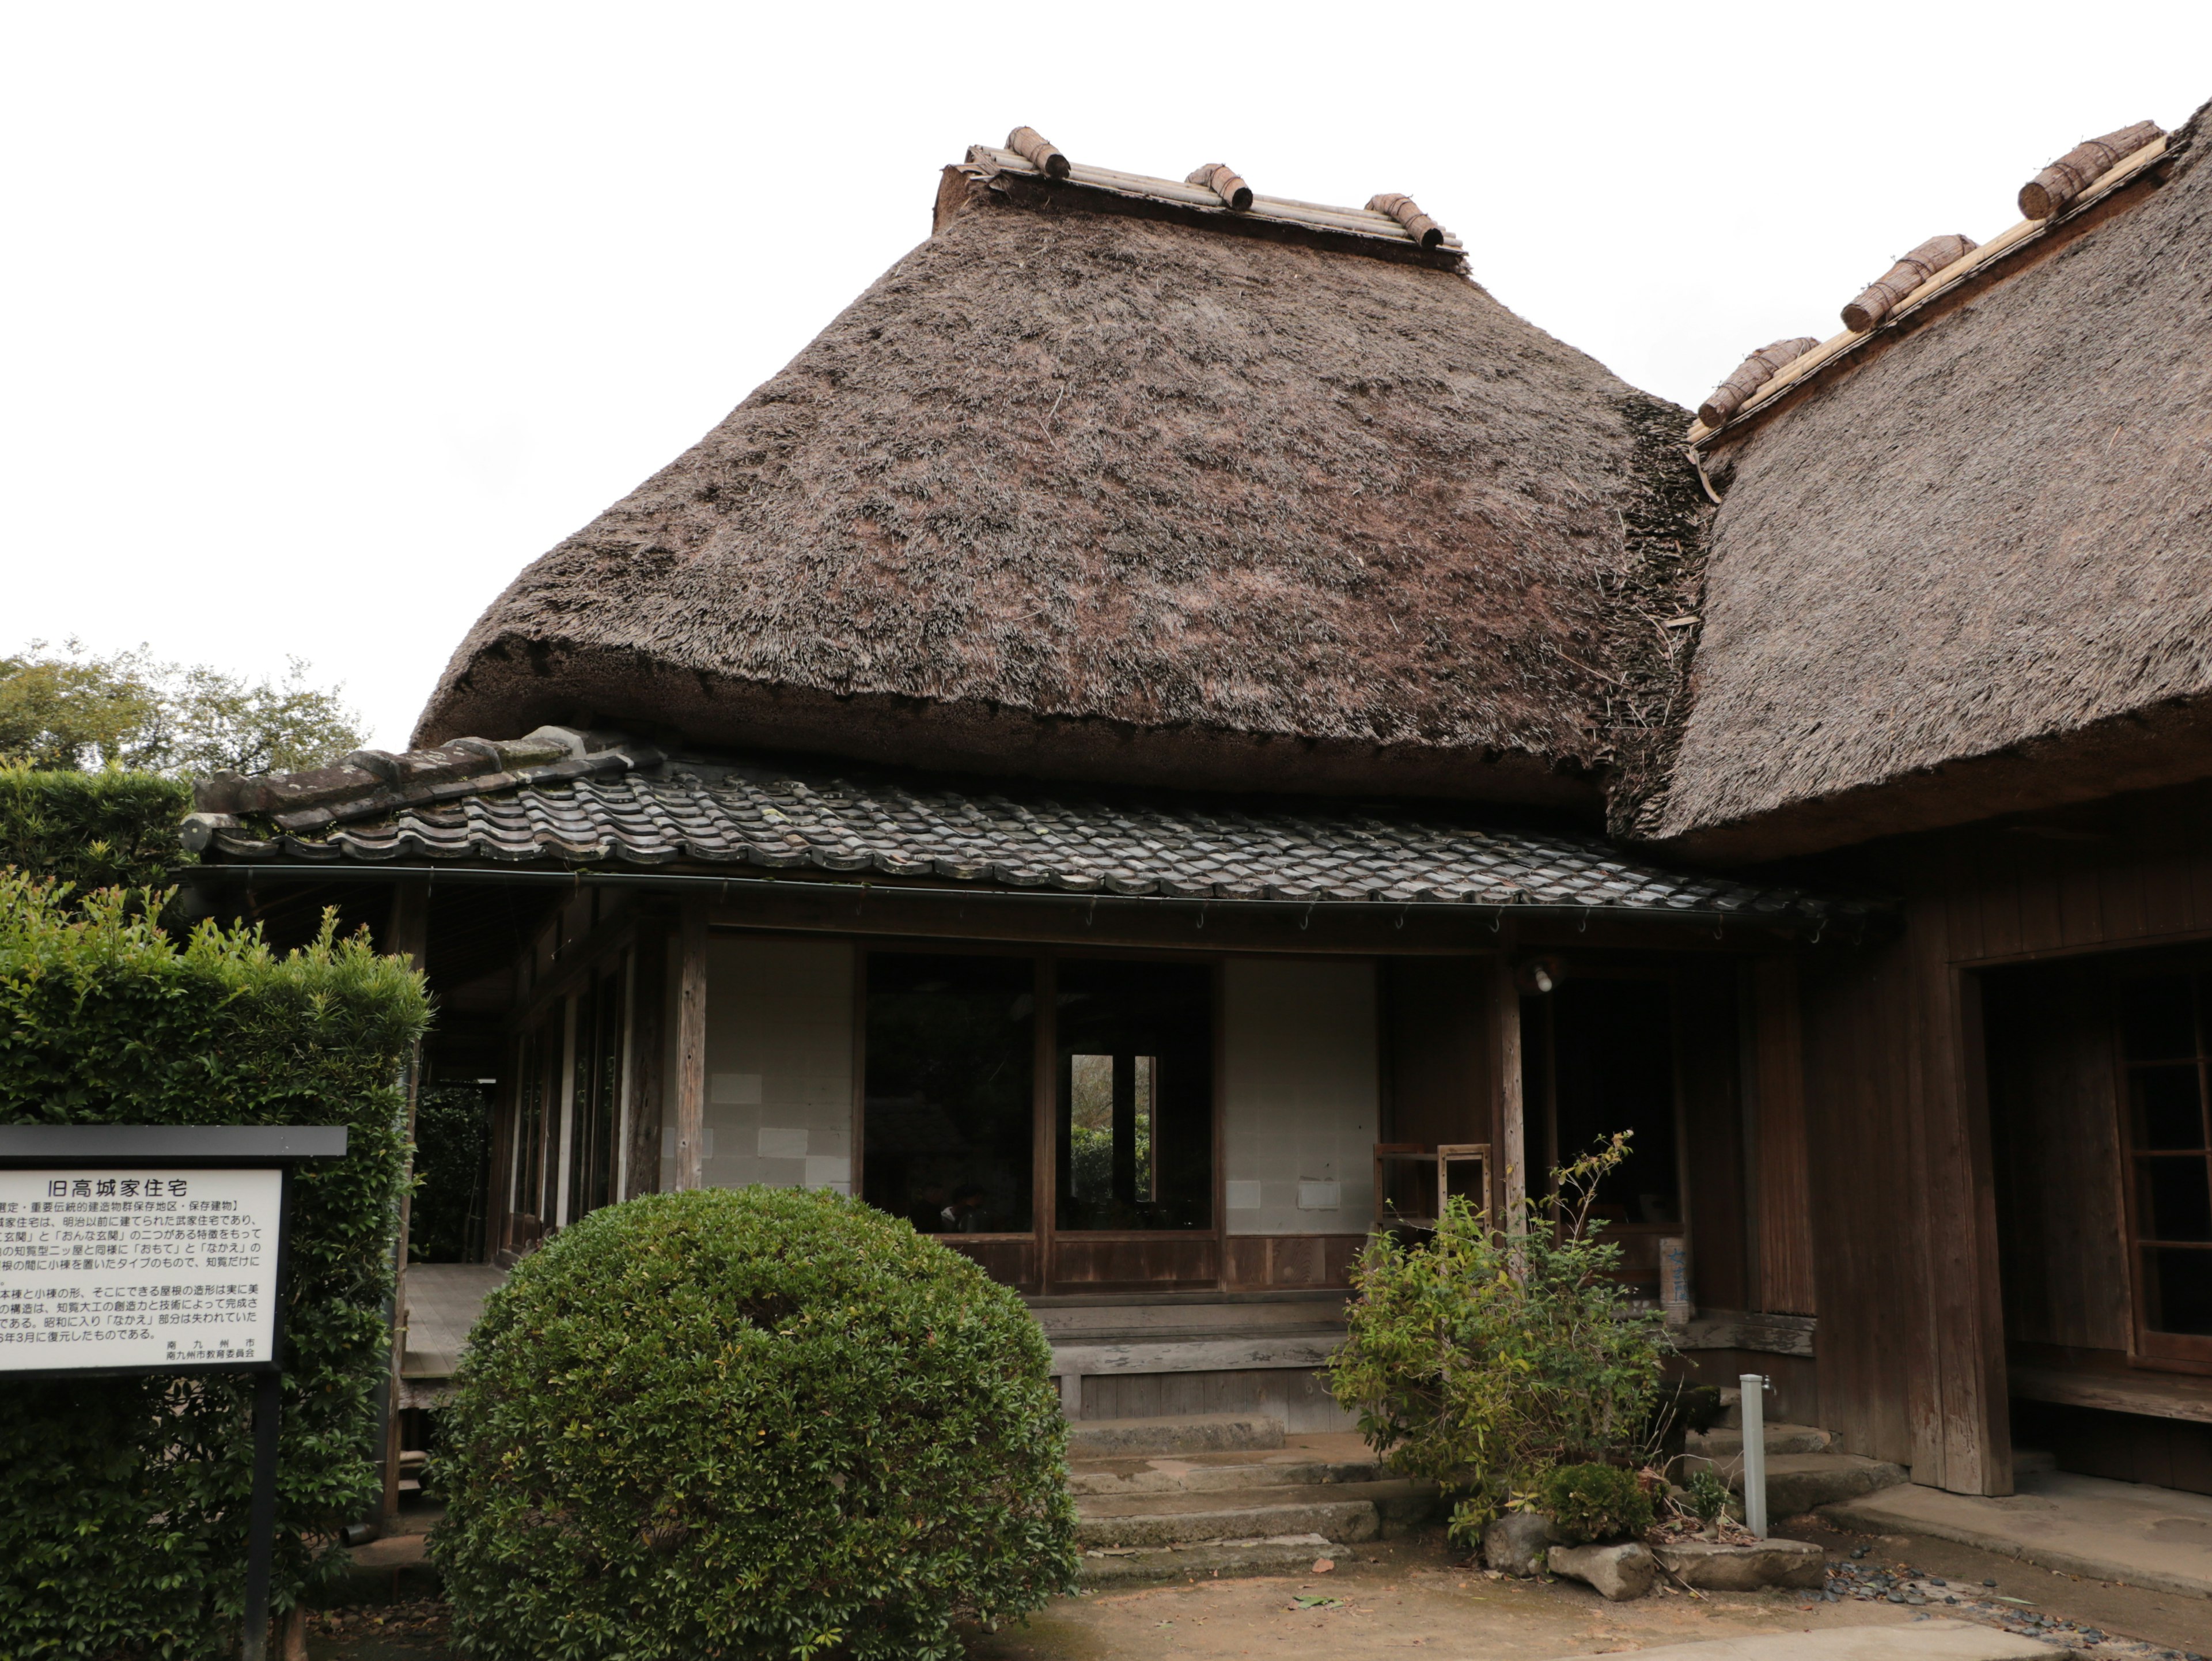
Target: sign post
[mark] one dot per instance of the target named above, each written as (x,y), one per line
(136,1249)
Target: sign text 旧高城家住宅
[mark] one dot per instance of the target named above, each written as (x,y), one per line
(154,1269)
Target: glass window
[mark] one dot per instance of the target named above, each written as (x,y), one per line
(1135,1095)
(2162,1039)
(950,1104)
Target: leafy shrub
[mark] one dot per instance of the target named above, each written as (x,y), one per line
(123,1501)
(1589,1502)
(1483,1360)
(93,830)
(452,1141)
(1708,1496)
(749,1422)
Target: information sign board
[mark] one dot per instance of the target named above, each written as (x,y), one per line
(149,1268)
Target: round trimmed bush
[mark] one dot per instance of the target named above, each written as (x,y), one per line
(749,1422)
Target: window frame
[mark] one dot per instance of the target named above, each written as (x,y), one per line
(2150,1346)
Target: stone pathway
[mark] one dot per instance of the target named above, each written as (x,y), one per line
(2147,1536)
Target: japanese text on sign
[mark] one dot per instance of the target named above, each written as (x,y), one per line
(137,1268)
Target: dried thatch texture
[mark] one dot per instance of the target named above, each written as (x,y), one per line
(1079,493)
(1992,539)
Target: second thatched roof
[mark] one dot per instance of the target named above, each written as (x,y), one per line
(1096,484)
(1965,569)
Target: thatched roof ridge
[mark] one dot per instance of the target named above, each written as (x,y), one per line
(1100,486)
(1971,570)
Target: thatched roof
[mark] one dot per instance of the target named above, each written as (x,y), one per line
(1964,566)
(1100,482)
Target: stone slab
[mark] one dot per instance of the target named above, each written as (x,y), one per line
(2146,1536)
(1711,1567)
(1291,1553)
(1799,1482)
(1917,1640)
(1333,1519)
(1618,1572)
(1206,1433)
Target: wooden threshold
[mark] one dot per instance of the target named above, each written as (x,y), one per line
(2149,1396)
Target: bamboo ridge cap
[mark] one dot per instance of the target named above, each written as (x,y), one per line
(1039,152)
(2073,172)
(1223,181)
(1968,265)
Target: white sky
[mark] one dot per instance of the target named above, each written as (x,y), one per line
(317,322)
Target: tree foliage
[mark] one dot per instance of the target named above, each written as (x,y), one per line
(744,1423)
(74,709)
(123,1501)
(1483,1357)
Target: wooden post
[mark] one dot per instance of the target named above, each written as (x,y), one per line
(691,1051)
(1509,1116)
(648,1089)
(407,936)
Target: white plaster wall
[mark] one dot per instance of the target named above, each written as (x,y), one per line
(779,1064)
(1301,1095)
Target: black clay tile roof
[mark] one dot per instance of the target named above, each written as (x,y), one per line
(689,814)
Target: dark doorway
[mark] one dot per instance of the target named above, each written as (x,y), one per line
(950,1108)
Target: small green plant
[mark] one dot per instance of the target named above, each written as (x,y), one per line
(1590,1502)
(746,1423)
(1482,1358)
(1708,1496)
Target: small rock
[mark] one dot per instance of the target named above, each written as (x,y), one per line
(1324,1564)
(1515,1544)
(1618,1572)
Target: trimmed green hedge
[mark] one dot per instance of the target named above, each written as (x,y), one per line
(94,829)
(123,1501)
(748,1423)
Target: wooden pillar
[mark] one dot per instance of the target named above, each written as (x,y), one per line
(648,1086)
(406,935)
(1964,1425)
(1509,1118)
(691,1050)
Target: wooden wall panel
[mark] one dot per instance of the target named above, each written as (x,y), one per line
(1781,1198)
(1135,1263)
(1708,1059)
(1873,1347)
(1011,1259)
(1276,1263)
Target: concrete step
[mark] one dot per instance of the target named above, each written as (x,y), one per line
(1214,1433)
(1797,1483)
(1337,1512)
(1728,1443)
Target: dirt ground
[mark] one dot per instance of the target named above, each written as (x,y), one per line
(1412,1598)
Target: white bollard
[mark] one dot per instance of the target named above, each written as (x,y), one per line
(1753,1386)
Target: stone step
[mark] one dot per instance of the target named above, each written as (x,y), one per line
(1728,1443)
(1185,1476)
(1282,1553)
(1797,1483)
(1214,1433)
(1340,1511)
